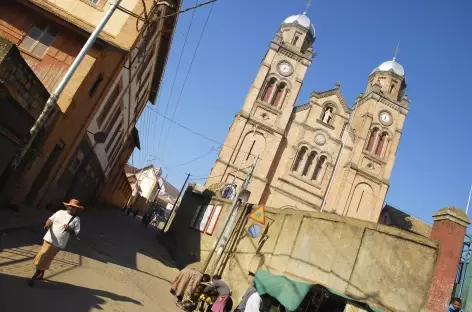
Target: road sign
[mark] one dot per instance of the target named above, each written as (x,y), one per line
(254,230)
(258,215)
(100,137)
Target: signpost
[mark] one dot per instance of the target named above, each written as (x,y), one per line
(258,215)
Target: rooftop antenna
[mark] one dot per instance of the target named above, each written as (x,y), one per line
(308,5)
(397,50)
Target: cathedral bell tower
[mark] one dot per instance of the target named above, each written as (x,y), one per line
(259,129)
(361,186)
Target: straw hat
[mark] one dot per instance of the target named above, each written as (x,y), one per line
(74,203)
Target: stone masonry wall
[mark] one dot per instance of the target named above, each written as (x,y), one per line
(387,267)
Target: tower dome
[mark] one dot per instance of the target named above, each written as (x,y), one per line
(391,66)
(303,21)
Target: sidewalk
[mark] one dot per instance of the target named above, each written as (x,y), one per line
(25,217)
(117,265)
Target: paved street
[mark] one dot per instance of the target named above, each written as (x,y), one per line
(117,265)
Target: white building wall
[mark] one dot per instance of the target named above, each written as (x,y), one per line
(147,181)
(128,98)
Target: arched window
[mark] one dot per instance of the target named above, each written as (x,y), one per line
(327,116)
(308,163)
(279,95)
(299,158)
(295,40)
(381,145)
(319,166)
(268,90)
(372,138)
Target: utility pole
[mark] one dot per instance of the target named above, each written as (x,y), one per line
(176,201)
(228,226)
(336,165)
(40,122)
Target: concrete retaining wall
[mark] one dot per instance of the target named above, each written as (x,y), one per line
(385,266)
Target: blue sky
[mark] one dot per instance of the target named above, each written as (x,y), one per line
(433,167)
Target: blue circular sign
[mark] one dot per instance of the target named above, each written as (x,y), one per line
(254,230)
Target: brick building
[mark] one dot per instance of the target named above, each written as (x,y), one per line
(49,37)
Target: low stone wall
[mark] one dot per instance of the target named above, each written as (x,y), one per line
(387,267)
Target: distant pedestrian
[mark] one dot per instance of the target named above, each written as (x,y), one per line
(59,227)
(456,305)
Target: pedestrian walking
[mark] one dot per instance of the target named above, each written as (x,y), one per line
(59,227)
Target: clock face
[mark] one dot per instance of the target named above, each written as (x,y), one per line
(385,118)
(285,68)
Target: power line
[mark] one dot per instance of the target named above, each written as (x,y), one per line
(220,175)
(187,75)
(199,134)
(188,129)
(193,159)
(177,72)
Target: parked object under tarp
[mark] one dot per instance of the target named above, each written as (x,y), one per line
(295,295)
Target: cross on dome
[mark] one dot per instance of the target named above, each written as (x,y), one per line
(397,50)
(308,5)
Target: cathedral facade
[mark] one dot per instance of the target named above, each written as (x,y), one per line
(322,155)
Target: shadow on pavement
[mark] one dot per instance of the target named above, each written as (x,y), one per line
(53,296)
(107,235)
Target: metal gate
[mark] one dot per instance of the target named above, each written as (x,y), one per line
(463,280)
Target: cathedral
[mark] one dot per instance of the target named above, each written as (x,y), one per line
(322,155)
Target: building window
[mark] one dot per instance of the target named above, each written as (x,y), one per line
(38,40)
(76,163)
(372,138)
(279,97)
(379,151)
(319,165)
(377,143)
(114,118)
(112,137)
(116,147)
(97,4)
(266,95)
(109,103)
(95,85)
(327,116)
(308,163)
(299,158)
(295,40)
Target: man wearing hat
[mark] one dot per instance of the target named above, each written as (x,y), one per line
(59,227)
